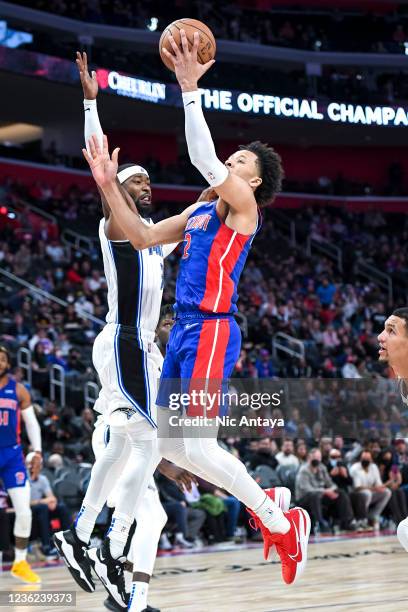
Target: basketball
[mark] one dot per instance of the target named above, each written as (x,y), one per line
(206,46)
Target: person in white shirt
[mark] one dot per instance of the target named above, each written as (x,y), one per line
(366,478)
(287,456)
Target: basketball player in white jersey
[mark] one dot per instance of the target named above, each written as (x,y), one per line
(128,363)
(394,349)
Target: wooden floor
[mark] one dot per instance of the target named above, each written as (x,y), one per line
(354,575)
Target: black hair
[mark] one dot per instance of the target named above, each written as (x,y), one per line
(402,313)
(165,311)
(270,171)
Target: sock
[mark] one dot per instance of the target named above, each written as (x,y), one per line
(118,534)
(138,597)
(272,516)
(20,554)
(85,522)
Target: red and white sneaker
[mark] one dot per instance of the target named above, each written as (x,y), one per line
(281,496)
(292,546)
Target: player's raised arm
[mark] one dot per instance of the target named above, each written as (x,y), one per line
(234,190)
(89,84)
(104,170)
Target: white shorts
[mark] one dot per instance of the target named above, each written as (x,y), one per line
(129,375)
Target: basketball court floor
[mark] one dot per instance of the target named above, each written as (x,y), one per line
(354,574)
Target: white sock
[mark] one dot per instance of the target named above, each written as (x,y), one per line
(85,522)
(20,554)
(138,597)
(272,516)
(118,534)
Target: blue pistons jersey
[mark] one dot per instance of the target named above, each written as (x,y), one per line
(213,258)
(10,426)
(12,467)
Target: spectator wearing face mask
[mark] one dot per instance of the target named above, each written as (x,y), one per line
(367,479)
(320,496)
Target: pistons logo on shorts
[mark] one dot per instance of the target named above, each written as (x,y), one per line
(20,477)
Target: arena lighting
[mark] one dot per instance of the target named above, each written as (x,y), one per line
(406,48)
(152,26)
(3,210)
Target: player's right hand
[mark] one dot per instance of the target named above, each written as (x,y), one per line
(89,82)
(103,167)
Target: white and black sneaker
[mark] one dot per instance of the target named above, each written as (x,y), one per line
(73,550)
(110,572)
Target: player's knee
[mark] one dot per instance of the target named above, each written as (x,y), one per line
(22,524)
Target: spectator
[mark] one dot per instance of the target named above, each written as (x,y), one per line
(231,503)
(188,521)
(301,452)
(45,506)
(264,365)
(392,479)
(366,478)
(325,292)
(317,493)
(286,456)
(264,455)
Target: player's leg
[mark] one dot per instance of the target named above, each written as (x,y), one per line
(402,533)
(14,476)
(150,518)
(72,544)
(20,499)
(214,348)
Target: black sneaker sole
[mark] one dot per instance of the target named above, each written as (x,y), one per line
(78,573)
(112,605)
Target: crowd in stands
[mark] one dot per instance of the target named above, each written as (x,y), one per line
(331,29)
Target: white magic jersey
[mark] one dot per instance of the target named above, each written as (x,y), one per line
(135,281)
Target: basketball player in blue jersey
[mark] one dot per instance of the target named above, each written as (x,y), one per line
(393,349)
(15,401)
(205,340)
(128,363)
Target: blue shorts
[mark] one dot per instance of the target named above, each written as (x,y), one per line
(201,354)
(13,471)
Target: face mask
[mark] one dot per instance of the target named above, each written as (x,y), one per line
(333,462)
(365,463)
(314,462)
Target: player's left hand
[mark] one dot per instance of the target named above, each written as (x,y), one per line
(186,65)
(103,167)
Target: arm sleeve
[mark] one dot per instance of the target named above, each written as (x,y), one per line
(92,123)
(199,142)
(168,248)
(32,427)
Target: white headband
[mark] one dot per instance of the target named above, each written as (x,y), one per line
(126,173)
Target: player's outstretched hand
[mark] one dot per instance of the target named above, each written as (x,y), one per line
(89,82)
(181,477)
(186,65)
(103,167)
